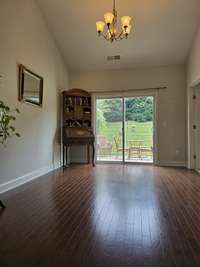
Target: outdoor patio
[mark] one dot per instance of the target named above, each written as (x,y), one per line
(135,150)
(119,159)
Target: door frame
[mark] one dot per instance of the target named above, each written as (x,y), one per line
(191,162)
(123,95)
(196,130)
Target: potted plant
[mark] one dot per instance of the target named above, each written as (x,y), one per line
(7,130)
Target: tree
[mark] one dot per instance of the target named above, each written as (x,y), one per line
(101,122)
(112,110)
(138,109)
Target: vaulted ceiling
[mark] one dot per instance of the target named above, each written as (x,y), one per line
(162,32)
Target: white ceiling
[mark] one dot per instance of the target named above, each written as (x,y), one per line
(162,33)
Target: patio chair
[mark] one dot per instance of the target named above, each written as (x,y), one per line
(139,149)
(118,147)
(104,146)
(144,149)
(134,147)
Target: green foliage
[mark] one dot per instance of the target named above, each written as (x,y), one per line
(112,110)
(101,122)
(7,130)
(139,109)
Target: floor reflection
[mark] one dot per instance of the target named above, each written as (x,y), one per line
(126,211)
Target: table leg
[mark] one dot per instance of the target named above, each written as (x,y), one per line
(93,154)
(63,155)
(2,205)
(88,154)
(67,156)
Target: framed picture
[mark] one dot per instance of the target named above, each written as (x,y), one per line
(30,86)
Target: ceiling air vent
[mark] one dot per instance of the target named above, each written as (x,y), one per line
(111,58)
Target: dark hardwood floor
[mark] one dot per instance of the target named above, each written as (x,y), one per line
(108,216)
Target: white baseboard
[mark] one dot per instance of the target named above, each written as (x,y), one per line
(27,178)
(171,163)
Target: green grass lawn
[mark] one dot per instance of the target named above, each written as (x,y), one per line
(142,131)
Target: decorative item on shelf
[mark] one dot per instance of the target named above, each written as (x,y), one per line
(7,130)
(85,101)
(111,33)
(79,101)
(69,109)
(87,110)
(68,101)
(77,122)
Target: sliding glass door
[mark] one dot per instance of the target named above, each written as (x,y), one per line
(109,125)
(138,128)
(124,129)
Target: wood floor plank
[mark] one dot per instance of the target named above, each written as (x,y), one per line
(107,216)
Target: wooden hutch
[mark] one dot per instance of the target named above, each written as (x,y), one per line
(77,123)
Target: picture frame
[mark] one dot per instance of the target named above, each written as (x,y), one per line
(30,86)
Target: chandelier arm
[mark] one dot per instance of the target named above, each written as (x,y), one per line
(119,36)
(120,39)
(109,31)
(105,37)
(111,35)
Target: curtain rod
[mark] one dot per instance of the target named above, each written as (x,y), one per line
(127,90)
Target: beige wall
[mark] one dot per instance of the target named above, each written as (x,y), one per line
(193,67)
(193,78)
(25,39)
(171,124)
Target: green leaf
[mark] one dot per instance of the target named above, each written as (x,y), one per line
(6,118)
(12,128)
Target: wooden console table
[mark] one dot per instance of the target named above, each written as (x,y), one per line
(69,142)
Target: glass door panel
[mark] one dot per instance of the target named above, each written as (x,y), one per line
(138,128)
(109,125)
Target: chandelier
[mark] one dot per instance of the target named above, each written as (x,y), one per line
(111,33)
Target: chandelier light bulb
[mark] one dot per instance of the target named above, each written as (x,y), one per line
(100,26)
(109,18)
(126,20)
(127,29)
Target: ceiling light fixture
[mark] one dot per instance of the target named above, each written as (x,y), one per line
(111,33)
